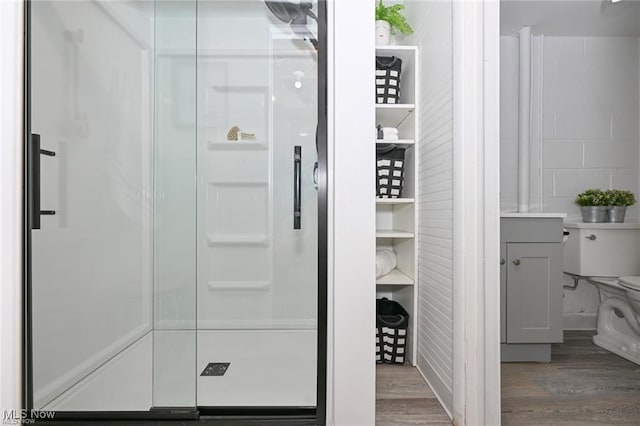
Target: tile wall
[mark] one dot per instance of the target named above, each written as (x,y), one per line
(585,133)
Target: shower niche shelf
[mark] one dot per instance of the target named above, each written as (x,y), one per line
(396,218)
(237,145)
(250,240)
(239,285)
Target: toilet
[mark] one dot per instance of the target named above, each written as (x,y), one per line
(608,256)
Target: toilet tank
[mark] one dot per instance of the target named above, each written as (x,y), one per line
(602,249)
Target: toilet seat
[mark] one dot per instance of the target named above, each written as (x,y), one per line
(632,283)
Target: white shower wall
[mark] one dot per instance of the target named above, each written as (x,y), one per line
(584,133)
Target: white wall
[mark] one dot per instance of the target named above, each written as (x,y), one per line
(351,373)
(509,123)
(585,133)
(585,118)
(245,196)
(432,23)
(11,131)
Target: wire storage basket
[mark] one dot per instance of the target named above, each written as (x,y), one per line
(392,321)
(388,70)
(389,171)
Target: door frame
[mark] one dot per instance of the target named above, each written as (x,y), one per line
(11,213)
(476,246)
(351,112)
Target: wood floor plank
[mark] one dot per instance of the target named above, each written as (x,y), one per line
(582,385)
(400,381)
(410,411)
(404,399)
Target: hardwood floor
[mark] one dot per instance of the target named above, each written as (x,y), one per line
(403,398)
(582,385)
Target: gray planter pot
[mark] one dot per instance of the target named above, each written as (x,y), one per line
(615,214)
(593,214)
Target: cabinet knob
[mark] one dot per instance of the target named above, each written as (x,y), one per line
(516,262)
(591,237)
(502,261)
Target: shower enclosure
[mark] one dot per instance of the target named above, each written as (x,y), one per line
(176,247)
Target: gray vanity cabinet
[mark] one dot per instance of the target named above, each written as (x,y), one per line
(530,287)
(534,293)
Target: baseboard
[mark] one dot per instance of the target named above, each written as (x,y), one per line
(580,321)
(525,352)
(437,385)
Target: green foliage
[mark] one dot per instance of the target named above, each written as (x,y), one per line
(610,197)
(592,197)
(392,15)
(618,197)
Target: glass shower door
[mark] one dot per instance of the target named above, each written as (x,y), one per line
(177,208)
(90,206)
(257,216)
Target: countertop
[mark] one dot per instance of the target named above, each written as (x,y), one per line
(625,225)
(534,215)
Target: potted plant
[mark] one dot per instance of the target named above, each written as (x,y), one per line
(593,205)
(618,201)
(389,20)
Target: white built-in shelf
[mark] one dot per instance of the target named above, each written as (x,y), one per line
(394,200)
(396,142)
(395,106)
(395,277)
(393,115)
(396,47)
(396,218)
(392,233)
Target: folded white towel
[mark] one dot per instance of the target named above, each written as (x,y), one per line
(385,261)
(390,138)
(388,132)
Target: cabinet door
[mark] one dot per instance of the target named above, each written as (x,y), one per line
(534,293)
(503,292)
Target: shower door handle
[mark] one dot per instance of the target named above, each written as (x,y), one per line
(34,160)
(35,181)
(297,185)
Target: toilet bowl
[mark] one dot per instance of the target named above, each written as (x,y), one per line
(607,255)
(618,329)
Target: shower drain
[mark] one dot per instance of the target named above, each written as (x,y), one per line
(215,369)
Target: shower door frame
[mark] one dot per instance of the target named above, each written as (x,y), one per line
(217,415)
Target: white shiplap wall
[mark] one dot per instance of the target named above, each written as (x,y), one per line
(432,24)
